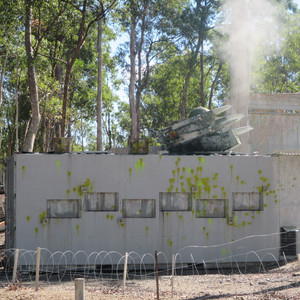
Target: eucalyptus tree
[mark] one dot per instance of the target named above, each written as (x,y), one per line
(147,29)
(278,67)
(195,24)
(11,64)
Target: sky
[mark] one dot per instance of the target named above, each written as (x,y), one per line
(298,2)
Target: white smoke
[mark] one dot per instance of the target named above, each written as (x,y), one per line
(249,25)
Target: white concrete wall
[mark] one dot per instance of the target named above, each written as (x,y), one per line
(276,122)
(40,177)
(287,166)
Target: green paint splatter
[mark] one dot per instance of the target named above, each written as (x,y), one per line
(266,205)
(231,170)
(28,218)
(210,221)
(147,231)
(74,189)
(204,228)
(42,217)
(276,201)
(223,192)
(139,165)
(294,178)
(180,217)
(249,223)
(107,216)
(207,234)
(201,160)
(170,189)
(77,229)
(237,178)
(68,192)
(215,186)
(246,214)
(130,172)
(160,156)
(259,171)
(170,243)
(215,177)
(69,176)
(193,212)
(206,185)
(122,225)
(111,217)
(243,182)
(224,251)
(244,223)
(36,230)
(87,183)
(58,166)
(253,217)
(23,171)
(264,179)
(167,214)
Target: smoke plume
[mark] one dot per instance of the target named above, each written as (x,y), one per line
(248,25)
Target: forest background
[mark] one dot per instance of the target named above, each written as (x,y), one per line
(103,71)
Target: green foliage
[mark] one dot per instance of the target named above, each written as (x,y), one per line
(278,70)
(169,52)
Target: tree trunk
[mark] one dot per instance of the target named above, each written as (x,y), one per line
(2,91)
(2,77)
(17,117)
(184,93)
(99,94)
(202,97)
(213,84)
(33,89)
(134,134)
(192,63)
(65,99)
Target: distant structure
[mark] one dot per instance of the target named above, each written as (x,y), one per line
(276,122)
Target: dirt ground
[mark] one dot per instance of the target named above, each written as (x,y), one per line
(279,283)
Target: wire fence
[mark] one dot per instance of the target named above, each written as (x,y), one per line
(266,277)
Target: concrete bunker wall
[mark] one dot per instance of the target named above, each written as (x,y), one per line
(145,203)
(276,122)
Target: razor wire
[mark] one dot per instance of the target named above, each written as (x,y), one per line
(61,266)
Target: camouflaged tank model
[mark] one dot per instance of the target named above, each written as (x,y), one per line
(204,131)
